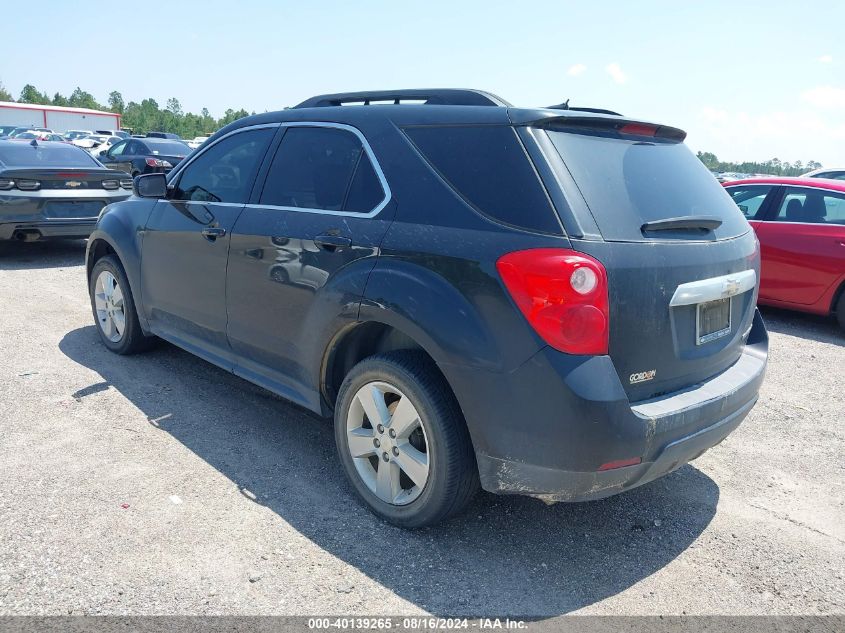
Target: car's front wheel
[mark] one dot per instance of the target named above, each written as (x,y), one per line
(402,440)
(114,308)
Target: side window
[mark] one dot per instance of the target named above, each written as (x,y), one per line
(225,172)
(133,148)
(749,199)
(118,149)
(488,167)
(813,206)
(322,168)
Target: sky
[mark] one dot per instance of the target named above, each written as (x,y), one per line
(747,80)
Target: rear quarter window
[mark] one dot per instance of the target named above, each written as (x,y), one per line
(488,167)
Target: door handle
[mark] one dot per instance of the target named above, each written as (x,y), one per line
(211,233)
(332,243)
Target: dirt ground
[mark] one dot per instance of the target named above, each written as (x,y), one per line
(159,484)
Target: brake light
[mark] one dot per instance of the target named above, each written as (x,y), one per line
(563,294)
(639,129)
(156,162)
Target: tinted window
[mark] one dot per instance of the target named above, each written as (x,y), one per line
(749,199)
(322,168)
(628,182)
(225,172)
(488,167)
(814,206)
(836,175)
(165,147)
(16,154)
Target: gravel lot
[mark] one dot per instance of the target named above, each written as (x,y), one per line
(160,484)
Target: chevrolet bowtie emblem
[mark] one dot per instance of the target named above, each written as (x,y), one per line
(731,287)
(73,183)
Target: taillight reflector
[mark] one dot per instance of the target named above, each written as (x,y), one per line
(568,309)
(621,463)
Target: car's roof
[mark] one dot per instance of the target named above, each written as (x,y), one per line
(820,183)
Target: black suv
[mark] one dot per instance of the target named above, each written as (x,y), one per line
(555,302)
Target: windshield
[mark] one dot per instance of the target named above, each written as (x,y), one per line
(166,147)
(59,155)
(628,182)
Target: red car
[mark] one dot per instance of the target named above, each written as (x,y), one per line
(800,223)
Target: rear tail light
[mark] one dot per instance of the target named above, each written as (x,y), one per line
(111,185)
(6,184)
(126,183)
(621,463)
(28,185)
(157,162)
(563,294)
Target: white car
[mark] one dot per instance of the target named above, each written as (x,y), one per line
(836,173)
(96,143)
(72,135)
(197,141)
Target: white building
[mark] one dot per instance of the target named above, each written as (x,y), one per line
(56,118)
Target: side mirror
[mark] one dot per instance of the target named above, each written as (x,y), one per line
(150,186)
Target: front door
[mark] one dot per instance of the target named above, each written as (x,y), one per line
(803,246)
(300,255)
(186,244)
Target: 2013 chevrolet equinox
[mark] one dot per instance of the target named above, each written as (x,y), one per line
(556,302)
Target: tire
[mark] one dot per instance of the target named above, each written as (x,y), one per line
(440,436)
(131,338)
(840,309)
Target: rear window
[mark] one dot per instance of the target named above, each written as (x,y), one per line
(489,168)
(18,154)
(628,182)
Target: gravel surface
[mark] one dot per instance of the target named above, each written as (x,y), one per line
(160,484)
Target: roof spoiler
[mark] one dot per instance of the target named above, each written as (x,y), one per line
(436,96)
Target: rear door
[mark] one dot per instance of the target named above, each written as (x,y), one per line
(803,246)
(315,227)
(186,243)
(682,261)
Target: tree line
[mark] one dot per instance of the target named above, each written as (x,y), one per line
(773,167)
(146,116)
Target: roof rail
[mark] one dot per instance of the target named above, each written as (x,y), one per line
(437,96)
(565,106)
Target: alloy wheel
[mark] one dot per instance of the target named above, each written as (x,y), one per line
(109,304)
(388,443)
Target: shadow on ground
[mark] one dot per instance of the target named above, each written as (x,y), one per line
(803,325)
(46,254)
(506,555)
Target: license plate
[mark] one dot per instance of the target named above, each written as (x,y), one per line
(73,209)
(713,320)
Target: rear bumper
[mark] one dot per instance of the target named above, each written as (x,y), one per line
(68,229)
(39,212)
(546,429)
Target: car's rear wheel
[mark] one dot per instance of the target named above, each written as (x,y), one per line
(114,308)
(402,440)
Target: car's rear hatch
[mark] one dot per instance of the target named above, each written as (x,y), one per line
(682,262)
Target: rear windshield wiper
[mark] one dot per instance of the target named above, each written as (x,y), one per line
(686,223)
